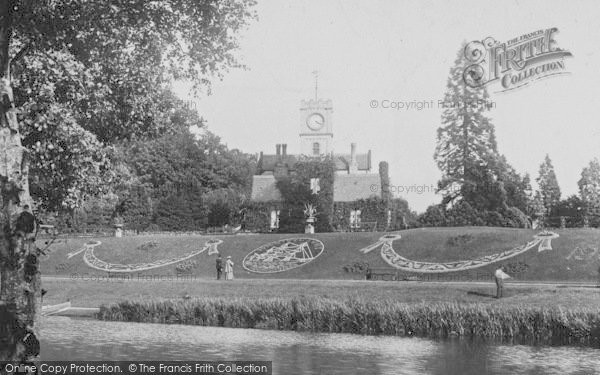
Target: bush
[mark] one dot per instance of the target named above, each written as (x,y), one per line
(135,209)
(515,218)
(222,206)
(175,214)
(462,214)
(494,219)
(434,216)
(256,216)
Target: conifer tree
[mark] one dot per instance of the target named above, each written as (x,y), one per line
(548,186)
(466,140)
(589,189)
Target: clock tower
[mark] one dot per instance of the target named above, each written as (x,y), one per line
(316,134)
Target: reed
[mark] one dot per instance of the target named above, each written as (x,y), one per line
(354,315)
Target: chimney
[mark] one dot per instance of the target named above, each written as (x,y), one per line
(353,167)
(284,149)
(278,148)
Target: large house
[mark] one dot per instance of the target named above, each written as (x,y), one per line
(354,178)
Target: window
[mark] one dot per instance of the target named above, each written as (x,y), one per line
(275,219)
(315,186)
(316,148)
(355,219)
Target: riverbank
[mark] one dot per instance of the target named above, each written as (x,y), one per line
(370,317)
(545,313)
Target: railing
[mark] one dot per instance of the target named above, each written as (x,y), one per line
(364,226)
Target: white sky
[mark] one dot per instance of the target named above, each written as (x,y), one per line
(402,51)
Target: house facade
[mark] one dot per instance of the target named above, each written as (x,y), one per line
(355,183)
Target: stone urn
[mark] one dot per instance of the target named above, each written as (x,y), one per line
(309,227)
(118,230)
(118,225)
(310,213)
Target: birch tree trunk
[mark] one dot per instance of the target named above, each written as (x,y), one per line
(20,289)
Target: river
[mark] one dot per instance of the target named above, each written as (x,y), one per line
(307,353)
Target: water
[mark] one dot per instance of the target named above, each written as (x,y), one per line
(307,353)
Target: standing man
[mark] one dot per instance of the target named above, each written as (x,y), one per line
(500,276)
(219,266)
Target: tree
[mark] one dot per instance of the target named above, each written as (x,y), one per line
(101,63)
(402,216)
(223,206)
(434,216)
(589,189)
(182,39)
(536,208)
(518,188)
(466,139)
(548,186)
(572,209)
(183,159)
(20,291)
(135,208)
(478,184)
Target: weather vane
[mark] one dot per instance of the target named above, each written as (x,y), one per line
(316,74)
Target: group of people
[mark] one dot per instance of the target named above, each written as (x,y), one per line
(228,267)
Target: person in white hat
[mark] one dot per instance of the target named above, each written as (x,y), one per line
(500,276)
(229,268)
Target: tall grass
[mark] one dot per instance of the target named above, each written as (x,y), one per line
(370,318)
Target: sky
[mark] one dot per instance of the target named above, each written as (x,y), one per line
(402,51)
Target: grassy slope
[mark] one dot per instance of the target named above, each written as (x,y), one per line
(427,244)
(95,293)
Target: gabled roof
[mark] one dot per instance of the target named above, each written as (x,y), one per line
(350,187)
(264,188)
(268,162)
(342,162)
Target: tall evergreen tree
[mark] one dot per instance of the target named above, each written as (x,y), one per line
(548,185)
(466,140)
(589,188)
(478,184)
(518,188)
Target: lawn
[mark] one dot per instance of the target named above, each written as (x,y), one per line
(94,293)
(575,255)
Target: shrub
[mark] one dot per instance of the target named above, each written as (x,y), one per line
(434,216)
(174,214)
(462,214)
(135,208)
(515,218)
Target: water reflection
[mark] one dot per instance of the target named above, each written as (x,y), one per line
(306,353)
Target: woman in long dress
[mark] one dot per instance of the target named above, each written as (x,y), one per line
(229,269)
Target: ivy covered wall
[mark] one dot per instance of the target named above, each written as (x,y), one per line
(295,189)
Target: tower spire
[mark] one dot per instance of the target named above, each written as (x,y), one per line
(316,74)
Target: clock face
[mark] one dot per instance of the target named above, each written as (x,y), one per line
(315,121)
